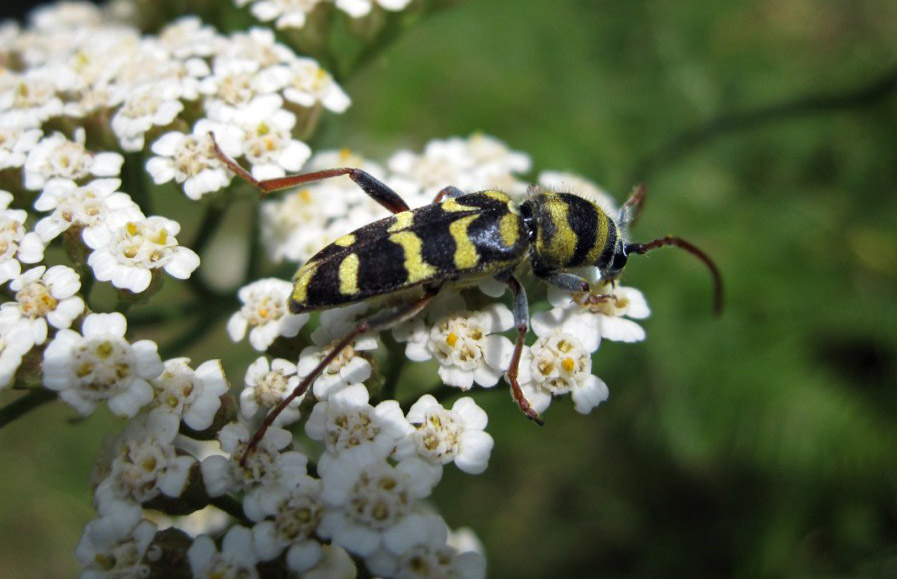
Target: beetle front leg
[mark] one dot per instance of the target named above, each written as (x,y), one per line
(567,281)
(521,322)
(376,189)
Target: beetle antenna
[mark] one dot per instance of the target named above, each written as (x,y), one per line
(631,210)
(681,243)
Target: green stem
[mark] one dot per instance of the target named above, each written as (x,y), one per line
(25,404)
(698,136)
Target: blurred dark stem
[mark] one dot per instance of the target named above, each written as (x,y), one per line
(231,506)
(206,321)
(135,182)
(253,258)
(701,135)
(210,222)
(25,404)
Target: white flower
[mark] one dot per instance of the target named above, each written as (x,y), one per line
(289,13)
(558,363)
(336,563)
(15,142)
(237,557)
(466,343)
(359,8)
(421,550)
(17,245)
(266,472)
(267,143)
(100,364)
(114,547)
(345,422)
(194,396)
(56,157)
(349,367)
(294,518)
(126,251)
(145,462)
(267,385)
(369,497)
(152,104)
(310,84)
(190,159)
(32,96)
(45,296)
(15,341)
(188,36)
(83,206)
(264,314)
(601,313)
(442,436)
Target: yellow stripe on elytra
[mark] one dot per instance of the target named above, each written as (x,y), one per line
(348,275)
(497,195)
(301,280)
(509,229)
(466,256)
(452,206)
(415,266)
(403,220)
(345,240)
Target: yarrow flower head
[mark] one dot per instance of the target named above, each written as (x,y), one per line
(99,364)
(44,296)
(264,314)
(422,550)
(17,244)
(190,161)
(441,436)
(468,344)
(267,384)
(145,463)
(57,157)
(558,363)
(128,251)
(346,422)
(81,207)
(193,396)
(262,474)
(368,499)
(350,366)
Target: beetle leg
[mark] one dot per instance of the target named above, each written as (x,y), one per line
(378,322)
(567,281)
(449,192)
(376,189)
(521,321)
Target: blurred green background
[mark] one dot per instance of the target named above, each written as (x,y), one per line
(759,444)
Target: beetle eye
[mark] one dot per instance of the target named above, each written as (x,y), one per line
(620,258)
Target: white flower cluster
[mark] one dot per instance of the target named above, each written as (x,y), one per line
(355,493)
(295,13)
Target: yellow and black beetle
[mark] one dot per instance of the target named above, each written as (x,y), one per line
(459,238)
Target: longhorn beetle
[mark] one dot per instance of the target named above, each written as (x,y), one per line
(459,238)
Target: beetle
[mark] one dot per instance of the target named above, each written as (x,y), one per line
(460,238)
